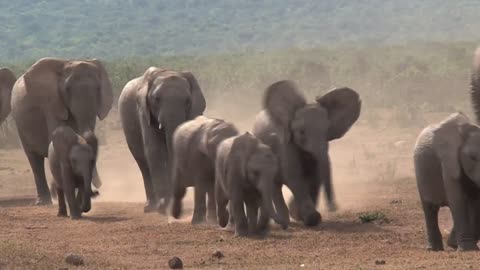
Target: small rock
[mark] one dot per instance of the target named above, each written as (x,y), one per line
(175,263)
(380,262)
(218,254)
(74,259)
(396,202)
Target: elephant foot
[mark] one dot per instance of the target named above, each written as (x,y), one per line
(332,207)
(149,207)
(162,206)
(177,209)
(452,241)
(75,216)
(437,247)
(198,220)
(62,214)
(43,201)
(241,233)
(313,219)
(468,246)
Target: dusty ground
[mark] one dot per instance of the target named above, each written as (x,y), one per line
(372,172)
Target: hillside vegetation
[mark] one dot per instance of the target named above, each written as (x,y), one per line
(114,28)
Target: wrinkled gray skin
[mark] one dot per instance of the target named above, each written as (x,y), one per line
(56,92)
(72,159)
(151,108)
(447,168)
(194,150)
(7,79)
(299,134)
(245,170)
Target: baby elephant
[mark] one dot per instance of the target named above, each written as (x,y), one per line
(447,168)
(194,148)
(72,160)
(245,170)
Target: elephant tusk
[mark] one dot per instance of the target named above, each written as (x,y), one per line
(160,126)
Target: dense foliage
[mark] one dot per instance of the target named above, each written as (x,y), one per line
(113,28)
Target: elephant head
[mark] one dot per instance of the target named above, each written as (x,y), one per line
(79,153)
(72,91)
(7,80)
(307,128)
(168,98)
(475,85)
(255,162)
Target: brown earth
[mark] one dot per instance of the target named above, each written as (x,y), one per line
(372,171)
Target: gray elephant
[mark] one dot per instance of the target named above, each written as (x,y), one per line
(302,133)
(245,171)
(151,108)
(72,160)
(7,79)
(195,144)
(52,93)
(447,168)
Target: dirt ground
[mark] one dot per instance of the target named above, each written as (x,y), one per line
(372,170)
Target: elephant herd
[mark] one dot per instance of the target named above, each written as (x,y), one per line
(237,176)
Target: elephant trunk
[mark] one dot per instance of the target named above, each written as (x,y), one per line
(169,126)
(475,86)
(325,178)
(88,193)
(266,189)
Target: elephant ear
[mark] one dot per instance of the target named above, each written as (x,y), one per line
(343,106)
(43,82)
(281,100)
(475,85)
(106,93)
(7,80)
(144,86)
(198,100)
(63,139)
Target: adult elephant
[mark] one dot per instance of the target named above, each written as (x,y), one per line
(302,132)
(7,79)
(151,108)
(55,92)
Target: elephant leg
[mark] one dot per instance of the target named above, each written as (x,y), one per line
(72,202)
(62,207)
(222,200)
(241,223)
(433,231)
(452,238)
(147,183)
(200,208)
(37,163)
(314,190)
(252,215)
(211,208)
(463,221)
(280,205)
(179,191)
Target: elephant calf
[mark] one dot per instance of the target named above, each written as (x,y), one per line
(245,170)
(447,168)
(194,149)
(72,161)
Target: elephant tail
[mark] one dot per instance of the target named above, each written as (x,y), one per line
(475,85)
(53,190)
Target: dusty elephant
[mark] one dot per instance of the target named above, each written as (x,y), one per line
(302,133)
(447,168)
(245,171)
(55,92)
(72,160)
(7,79)
(195,144)
(151,108)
